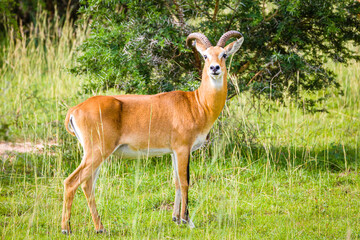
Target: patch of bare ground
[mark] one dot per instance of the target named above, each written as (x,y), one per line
(7,148)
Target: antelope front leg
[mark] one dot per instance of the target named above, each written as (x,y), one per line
(182,160)
(176,212)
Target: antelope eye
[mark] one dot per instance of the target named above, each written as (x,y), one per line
(224,56)
(205,56)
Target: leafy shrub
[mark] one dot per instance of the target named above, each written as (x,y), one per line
(139,46)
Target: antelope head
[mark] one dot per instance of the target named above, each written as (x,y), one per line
(215,57)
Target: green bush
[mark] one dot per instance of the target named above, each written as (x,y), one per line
(139,46)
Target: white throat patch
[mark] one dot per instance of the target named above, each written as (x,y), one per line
(216,81)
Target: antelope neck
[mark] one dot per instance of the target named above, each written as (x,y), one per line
(210,98)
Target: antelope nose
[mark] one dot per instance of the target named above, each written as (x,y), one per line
(214,67)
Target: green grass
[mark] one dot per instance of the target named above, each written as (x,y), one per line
(278,174)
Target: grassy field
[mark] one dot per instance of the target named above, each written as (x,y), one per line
(273,174)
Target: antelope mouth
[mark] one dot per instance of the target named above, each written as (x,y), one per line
(215,73)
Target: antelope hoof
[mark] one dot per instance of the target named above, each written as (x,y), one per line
(189,223)
(66,232)
(100,231)
(176,220)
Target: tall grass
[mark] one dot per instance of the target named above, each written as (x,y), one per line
(288,136)
(274,174)
(34,81)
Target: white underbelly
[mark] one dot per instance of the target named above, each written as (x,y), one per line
(126,152)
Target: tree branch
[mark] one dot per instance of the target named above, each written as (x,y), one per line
(171,13)
(215,10)
(233,16)
(254,76)
(244,67)
(262,70)
(231,96)
(180,14)
(201,10)
(266,19)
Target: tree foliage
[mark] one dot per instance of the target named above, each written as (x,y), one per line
(23,12)
(139,46)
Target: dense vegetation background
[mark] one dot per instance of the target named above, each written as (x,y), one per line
(270,168)
(139,46)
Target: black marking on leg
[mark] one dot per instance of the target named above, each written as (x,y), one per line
(66,232)
(188,171)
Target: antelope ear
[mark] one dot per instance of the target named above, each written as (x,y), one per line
(234,46)
(200,47)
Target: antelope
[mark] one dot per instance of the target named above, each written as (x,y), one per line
(135,126)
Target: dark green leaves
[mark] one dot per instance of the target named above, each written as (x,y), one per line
(139,46)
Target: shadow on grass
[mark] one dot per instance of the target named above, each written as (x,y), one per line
(334,158)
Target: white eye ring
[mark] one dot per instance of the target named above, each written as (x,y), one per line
(205,56)
(224,55)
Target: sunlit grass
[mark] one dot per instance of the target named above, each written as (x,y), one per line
(35,83)
(265,174)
